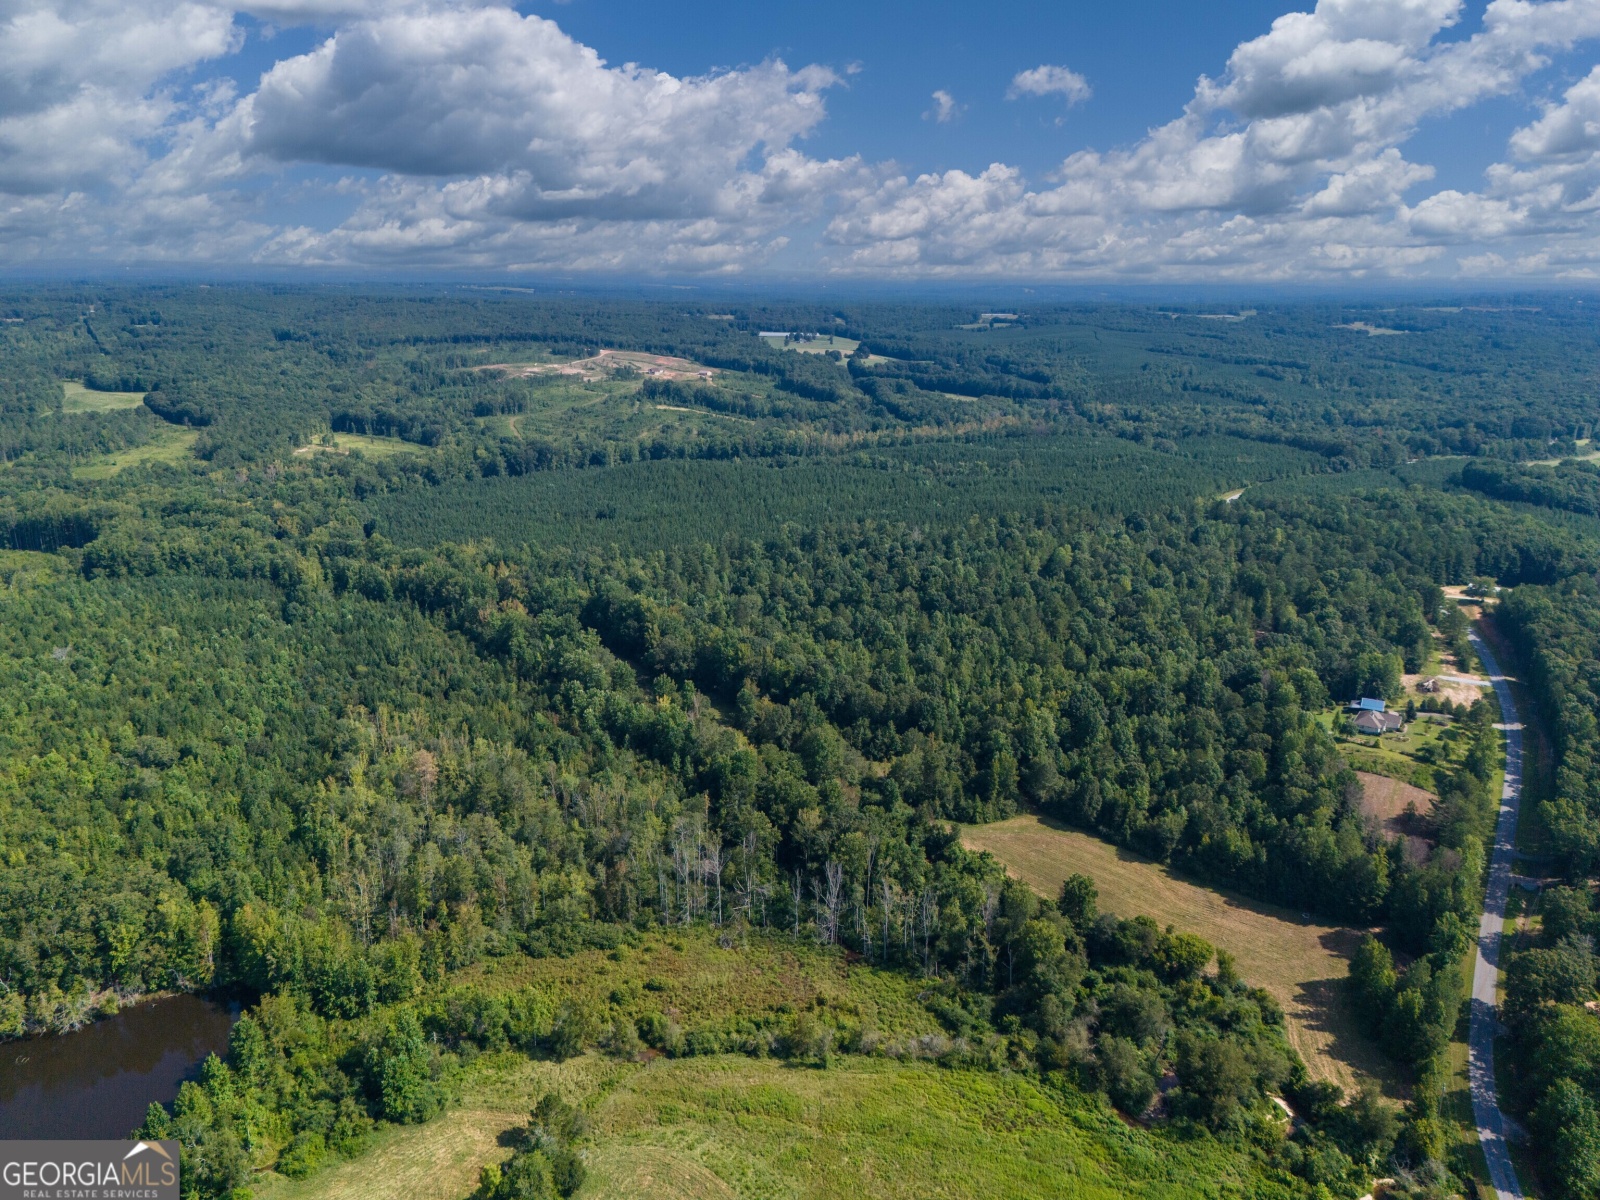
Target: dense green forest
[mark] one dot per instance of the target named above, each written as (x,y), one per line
(351,666)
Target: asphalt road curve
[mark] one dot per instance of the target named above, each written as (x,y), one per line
(1486,972)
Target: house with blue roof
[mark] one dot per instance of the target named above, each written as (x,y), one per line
(1373,717)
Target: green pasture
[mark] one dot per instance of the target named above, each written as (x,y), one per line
(78,399)
(171,446)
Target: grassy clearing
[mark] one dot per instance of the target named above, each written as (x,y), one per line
(883,1129)
(725,1127)
(441,1160)
(19,568)
(78,399)
(1301,963)
(826,342)
(370,447)
(173,446)
(819,345)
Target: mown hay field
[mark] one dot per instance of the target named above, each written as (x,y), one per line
(1301,963)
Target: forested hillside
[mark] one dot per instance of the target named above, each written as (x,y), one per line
(354,735)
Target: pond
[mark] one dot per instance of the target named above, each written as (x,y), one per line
(98,1082)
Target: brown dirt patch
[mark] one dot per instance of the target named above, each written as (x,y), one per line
(1301,963)
(1447,689)
(1385,801)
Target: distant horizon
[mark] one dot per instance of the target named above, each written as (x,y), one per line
(776,290)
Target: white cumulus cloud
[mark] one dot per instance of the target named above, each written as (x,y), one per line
(461,133)
(1050,81)
(1290,163)
(944,108)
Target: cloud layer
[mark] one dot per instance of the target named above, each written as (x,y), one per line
(467,135)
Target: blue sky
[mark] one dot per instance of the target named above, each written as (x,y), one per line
(1146,141)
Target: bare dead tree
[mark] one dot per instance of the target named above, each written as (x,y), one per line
(661,877)
(863,922)
(686,866)
(888,905)
(928,914)
(712,862)
(830,898)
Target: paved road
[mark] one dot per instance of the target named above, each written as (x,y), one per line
(1480,1061)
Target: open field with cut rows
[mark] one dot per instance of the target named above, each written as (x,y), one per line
(1302,964)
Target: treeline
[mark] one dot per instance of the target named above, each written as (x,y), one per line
(1573,486)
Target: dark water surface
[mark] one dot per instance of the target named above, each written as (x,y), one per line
(98,1082)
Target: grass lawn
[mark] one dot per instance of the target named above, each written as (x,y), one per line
(1301,963)
(726,1126)
(172,446)
(1425,750)
(78,399)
